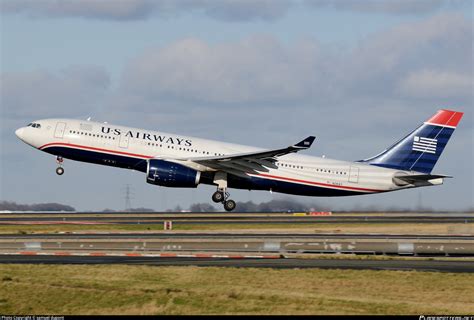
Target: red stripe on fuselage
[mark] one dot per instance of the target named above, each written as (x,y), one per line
(260,175)
(319,184)
(95,149)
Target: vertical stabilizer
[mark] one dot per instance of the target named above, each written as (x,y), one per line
(421,149)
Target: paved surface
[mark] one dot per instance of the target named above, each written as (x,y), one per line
(130,243)
(233,213)
(230,219)
(227,235)
(248,246)
(460,245)
(421,265)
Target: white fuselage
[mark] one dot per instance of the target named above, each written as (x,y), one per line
(126,147)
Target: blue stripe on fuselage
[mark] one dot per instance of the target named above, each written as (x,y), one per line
(99,158)
(255,183)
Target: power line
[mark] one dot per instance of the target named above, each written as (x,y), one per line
(128,197)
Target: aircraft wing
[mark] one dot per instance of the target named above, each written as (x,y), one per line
(250,162)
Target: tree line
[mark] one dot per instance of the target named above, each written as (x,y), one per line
(13,206)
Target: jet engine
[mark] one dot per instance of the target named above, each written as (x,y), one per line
(170,174)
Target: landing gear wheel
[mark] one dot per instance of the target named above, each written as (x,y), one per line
(229,205)
(59,171)
(218,197)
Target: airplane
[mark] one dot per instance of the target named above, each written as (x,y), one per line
(172,160)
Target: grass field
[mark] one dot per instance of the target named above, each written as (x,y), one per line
(415,228)
(121,289)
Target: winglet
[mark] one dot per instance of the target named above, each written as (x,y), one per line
(306,143)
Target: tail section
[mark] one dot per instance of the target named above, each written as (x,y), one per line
(419,151)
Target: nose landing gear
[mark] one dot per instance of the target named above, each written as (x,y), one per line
(221,195)
(59,169)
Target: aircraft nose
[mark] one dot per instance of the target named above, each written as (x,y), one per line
(19,133)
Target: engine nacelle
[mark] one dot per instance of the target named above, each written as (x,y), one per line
(170,174)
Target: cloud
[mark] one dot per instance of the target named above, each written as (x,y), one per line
(113,10)
(263,70)
(91,9)
(247,10)
(229,10)
(72,91)
(442,42)
(436,83)
(260,70)
(403,7)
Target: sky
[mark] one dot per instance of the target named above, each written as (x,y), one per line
(358,75)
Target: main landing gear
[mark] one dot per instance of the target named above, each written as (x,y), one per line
(221,195)
(59,169)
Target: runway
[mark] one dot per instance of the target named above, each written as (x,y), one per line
(248,243)
(256,248)
(233,213)
(420,265)
(231,235)
(223,218)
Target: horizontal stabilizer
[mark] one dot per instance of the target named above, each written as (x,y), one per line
(419,179)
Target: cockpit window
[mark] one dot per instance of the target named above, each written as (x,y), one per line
(34,125)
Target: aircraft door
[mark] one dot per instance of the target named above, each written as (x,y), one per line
(123,142)
(59,131)
(354,174)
